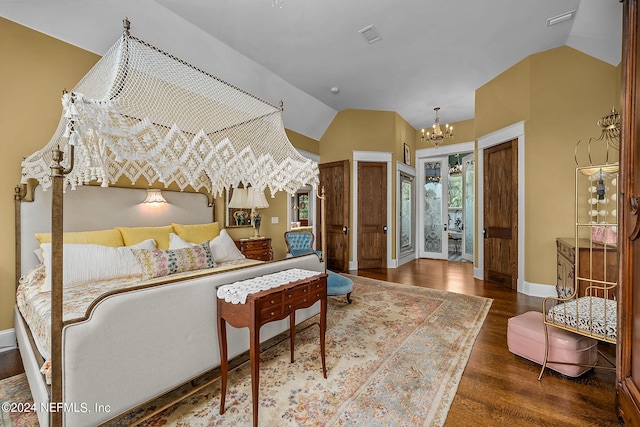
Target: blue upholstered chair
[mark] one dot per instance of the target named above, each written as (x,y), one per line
(301,243)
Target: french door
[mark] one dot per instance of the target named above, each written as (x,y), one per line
(468,205)
(433,210)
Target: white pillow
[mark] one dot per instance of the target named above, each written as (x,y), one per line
(177,242)
(86,263)
(224,249)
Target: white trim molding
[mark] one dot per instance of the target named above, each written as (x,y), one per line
(514,131)
(445,150)
(371,156)
(538,290)
(8,340)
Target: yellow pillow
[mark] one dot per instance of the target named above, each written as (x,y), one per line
(133,235)
(197,233)
(99,237)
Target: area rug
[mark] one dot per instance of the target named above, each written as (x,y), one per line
(394,358)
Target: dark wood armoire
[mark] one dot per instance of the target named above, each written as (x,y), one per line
(628,348)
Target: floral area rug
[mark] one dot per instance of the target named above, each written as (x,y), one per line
(394,358)
(16,403)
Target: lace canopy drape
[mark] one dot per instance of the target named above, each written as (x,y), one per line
(141,112)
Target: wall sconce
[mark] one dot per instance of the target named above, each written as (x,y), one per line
(154,197)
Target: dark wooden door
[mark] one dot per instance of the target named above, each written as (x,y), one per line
(628,346)
(501,214)
(372,215)
(335,178)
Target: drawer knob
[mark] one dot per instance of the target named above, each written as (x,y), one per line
(272,301)
(289,295)
(273,312)
(305,291)
(289,305)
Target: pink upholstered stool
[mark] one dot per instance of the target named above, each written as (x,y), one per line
(525,337)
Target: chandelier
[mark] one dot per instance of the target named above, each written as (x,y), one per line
(438,135)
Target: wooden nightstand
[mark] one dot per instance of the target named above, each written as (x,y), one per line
(259,249)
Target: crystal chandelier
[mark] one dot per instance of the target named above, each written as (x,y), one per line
(438,135)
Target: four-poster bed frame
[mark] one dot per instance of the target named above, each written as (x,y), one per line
(248,146)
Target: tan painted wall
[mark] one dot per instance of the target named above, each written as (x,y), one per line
(35,69)
(560,94)
(369,130)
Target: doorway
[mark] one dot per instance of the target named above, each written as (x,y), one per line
(372,221)
(500,214)
(334,177)
(512,132)
(446,208)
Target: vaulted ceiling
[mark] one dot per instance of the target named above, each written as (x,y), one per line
(431,52)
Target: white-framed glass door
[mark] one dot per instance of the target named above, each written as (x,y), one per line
(407,223)
(434,242)
(468,205)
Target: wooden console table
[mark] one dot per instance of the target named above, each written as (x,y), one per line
(263,307)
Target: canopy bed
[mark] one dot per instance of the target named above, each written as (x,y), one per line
(141,113)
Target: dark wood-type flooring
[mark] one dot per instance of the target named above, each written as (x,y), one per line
(497,387)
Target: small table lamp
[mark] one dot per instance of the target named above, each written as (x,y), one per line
(239,201)
(256,200)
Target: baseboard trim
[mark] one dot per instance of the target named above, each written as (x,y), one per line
(524,287)
(538,290)
(8,340)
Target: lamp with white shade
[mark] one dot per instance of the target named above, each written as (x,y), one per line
(256,200)
(239,201)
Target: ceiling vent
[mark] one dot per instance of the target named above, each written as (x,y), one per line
(370,34)
(561,18)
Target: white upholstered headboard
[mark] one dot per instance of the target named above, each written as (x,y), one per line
(96,208)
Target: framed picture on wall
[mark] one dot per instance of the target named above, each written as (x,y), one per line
(407,155)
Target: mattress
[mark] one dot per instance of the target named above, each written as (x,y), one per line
(35,306)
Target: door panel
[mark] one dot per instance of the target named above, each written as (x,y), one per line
(501,214)
(335,178)
(435,242)
(468,205)
(372,214)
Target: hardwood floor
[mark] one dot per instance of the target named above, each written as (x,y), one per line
(497,387)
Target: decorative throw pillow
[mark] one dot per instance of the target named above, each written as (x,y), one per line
(158,263)
(197,233)
(84,264)
(133,235)
(224,249)
(110,237)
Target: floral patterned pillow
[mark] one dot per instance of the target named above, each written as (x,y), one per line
(158,262)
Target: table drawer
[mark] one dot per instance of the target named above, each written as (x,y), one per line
(566,250)
(296,294)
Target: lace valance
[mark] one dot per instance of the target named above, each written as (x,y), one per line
(143,113)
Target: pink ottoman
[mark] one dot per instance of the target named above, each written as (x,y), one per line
(525,337)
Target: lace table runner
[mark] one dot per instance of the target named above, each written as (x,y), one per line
(237,292)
